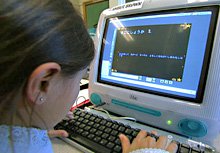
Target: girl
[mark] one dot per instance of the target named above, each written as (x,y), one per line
(44,51)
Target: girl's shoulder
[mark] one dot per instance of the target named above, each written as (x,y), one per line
(22,138)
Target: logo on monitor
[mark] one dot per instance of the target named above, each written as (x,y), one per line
(133,97)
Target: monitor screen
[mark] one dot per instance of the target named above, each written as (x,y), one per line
(164,52)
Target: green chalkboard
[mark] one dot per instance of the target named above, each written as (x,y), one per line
(129,1)
(93,11)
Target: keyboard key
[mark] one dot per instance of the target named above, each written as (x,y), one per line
(118,141)
(91,123)
(117,148)
(130,137)
(109,124)
(80,119)
(85,121)
(103,122)
(105,135)
(82,114)
(184,148)
(85,133)
(121,128)
(87,128)
(110,145)
(97,139)
(77,123)
(98,133)
(96,125)
(87,116)
(111,138)
(91,136)
(92,118)
(101,128)
(82,125)
(115,126)
(93,130)
(114,133)
(103,142)
(195,150)
(97,120)
(79,131)
(108,130)
(128,131)
(77,113)
(135,132)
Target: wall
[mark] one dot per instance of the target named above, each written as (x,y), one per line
(78,4)
(113,3)
(91,14)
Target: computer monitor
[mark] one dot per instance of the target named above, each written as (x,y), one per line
(158,61)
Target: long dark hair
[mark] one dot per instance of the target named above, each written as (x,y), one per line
(33,32)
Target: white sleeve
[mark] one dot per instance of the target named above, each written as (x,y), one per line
(149,150)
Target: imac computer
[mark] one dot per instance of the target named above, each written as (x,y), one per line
(158,62)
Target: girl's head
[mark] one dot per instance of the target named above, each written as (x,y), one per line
(44,49)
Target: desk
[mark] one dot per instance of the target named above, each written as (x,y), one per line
(59,146)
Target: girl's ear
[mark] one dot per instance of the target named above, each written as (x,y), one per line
(39,81)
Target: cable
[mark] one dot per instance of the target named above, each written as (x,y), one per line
(79,98)
(96,107)
(114,118)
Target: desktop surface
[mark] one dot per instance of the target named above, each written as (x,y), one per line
(60,146)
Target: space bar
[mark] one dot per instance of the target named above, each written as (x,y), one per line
(89,144)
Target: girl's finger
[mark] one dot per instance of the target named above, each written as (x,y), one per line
(161,142)
(57,133)
(125,143)
(172,147)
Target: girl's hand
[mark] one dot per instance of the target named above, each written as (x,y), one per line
(143,141)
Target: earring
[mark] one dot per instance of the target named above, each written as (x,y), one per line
(41,100)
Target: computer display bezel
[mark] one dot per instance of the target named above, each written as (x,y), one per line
(207,56)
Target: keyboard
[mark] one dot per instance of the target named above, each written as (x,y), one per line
(100,134)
